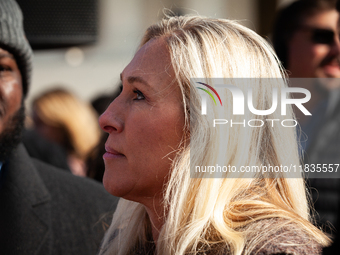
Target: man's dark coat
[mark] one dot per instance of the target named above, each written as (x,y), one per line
(44,210)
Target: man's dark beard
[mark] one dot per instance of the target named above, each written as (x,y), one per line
(11,135)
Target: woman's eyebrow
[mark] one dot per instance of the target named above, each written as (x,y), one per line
(132,79)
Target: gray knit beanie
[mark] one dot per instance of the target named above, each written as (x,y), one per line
(13,40)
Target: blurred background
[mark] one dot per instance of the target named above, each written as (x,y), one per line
(83,45)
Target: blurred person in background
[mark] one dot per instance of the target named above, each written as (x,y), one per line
(43,210)
(43,149)
(335,247)
(101,102)
(62,118)
(306,40)
(157,131)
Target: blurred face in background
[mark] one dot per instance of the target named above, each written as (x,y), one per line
(313,51)
(145,125)
(54,134)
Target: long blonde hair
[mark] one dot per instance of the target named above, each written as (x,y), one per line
(201,212)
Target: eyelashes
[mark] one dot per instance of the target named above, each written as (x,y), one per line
(139,95)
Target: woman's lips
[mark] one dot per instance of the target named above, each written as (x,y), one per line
(111,153)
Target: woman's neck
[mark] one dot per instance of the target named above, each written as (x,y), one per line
(155,212)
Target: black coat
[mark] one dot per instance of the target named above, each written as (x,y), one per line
(44,210)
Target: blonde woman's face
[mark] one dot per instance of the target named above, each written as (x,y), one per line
(145,125)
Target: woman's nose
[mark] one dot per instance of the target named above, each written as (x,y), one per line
(111,121)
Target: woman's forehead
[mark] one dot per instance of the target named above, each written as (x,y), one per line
(152,62)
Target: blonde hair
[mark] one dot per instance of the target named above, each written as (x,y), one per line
(78,121)
(202,212)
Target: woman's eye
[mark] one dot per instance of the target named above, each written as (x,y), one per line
(139,95)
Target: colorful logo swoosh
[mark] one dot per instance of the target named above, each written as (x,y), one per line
(209,93)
